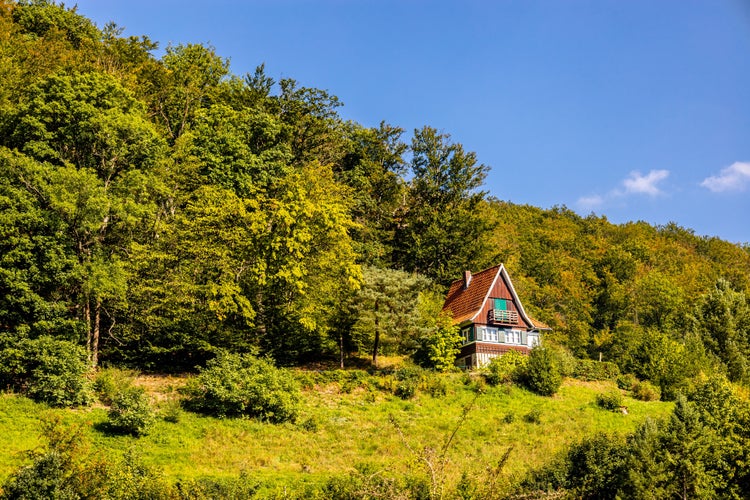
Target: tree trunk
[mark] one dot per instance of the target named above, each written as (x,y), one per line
(95,335)
(341,349)
(377,338)
(87,319)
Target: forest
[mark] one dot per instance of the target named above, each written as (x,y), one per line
(158,213)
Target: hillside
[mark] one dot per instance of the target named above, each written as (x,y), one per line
(346,424)
(165,216)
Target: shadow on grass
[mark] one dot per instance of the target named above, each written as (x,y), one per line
(110,430)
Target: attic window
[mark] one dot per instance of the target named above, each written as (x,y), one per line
(501,304)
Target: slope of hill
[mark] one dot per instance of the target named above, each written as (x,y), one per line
(353,422)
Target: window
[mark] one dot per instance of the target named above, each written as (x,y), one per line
(466,334)
(501,304)
(488,334)
(512,336)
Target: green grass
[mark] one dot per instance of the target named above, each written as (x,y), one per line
(338,429)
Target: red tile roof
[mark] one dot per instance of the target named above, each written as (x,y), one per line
(464,303)
(539,324)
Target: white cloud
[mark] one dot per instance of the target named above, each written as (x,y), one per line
(634,184)
(589,202)
(645,184)
(735,177)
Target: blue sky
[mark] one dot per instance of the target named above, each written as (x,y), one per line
(632,109)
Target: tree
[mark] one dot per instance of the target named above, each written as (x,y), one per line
(440,227)
(439,339)
(722,318)
(100,149)
(188,82)
(374,170)
(386,308)
(542,373)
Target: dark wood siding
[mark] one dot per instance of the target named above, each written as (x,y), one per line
(500,290)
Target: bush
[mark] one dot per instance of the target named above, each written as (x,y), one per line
(47,370)
(172,411)
(131,412)
(435,385)
(646,391)
(241,384)
(566,360)
(589,369)
(542,373)
(407,381)
(611,400)
(534,416)
(109,382)
(506,368)
(626,382)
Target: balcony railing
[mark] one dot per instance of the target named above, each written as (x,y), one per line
(501,316)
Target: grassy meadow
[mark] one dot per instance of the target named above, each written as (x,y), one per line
(348,419)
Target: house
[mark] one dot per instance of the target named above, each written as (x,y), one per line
(492,318)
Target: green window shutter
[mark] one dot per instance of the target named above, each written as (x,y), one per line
(471,334)
(501,304)
(523,338)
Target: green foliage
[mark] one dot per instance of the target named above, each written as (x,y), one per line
(440,340)
(46,369)
(164,208)
(626,381)
(646,391)
(441,215)
(131,412)
(699,452)
(534,416)
(240,384)
(542,373)
(369,482)
(385,311)
(722,319)
(505,369)
(109,382)
(171,411)
(408,379)
(63,469)
(230,487)
(589,369)
(611,400)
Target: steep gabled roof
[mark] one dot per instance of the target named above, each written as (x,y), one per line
(465,303)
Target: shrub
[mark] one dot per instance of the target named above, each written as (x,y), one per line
(367,481)
(47,370)
(506,368)
(172,411)
(594,468)
(224,487)
(542,373)
(241,384)
(626,382)
(589,369)
(611,400)
(646,391)
(62,469)
(566,360)
(534,416)
(436,385)
(131,412)
(109,382)
(407,381)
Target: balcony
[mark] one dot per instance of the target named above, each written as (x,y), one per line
(502,316)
